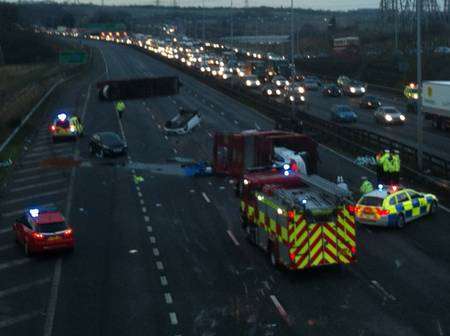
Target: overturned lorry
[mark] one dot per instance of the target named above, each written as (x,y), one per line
(137,88)
(235,154)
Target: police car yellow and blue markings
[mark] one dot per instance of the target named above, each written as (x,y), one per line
(411,208)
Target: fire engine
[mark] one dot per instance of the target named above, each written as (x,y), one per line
(301,221)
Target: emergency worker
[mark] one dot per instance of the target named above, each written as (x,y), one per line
(366,186)
(387,163)
(396,167)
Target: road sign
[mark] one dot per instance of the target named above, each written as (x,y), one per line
(72,57)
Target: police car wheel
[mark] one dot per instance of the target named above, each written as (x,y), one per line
(100,153)
(433,208)
(400,223)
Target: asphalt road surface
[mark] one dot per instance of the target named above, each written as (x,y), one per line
(166,256)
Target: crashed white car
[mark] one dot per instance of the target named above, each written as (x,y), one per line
(184,122)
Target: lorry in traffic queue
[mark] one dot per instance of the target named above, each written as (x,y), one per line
(301,221)
(436,103)
(236,153)
(136,88)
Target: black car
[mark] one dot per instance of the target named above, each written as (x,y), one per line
(107,144)
(332,91)
(370,102)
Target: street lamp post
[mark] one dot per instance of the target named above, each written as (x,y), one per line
(419,87)
(231,24)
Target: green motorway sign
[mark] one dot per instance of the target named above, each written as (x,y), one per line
(72,57)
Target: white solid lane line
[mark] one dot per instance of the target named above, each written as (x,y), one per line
(7,246)
(37,176)
(37,185)
(206,197)
(27,170)
(27,198)
(19,318)
(20,211)
(233,238)
(13,263)
(23,287)
(6,230)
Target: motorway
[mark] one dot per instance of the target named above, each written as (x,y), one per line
(435,141)
(166,256)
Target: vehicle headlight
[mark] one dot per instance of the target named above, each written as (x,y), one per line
(258,83)
(214,72)
(388,117)
(183,60)
(369,103)
(202,69)
(402,117)
(415,96)
(278,82)
(291,98)
(278,92)
(363,89)
(269,92)
(287,82)
(248,82)
(72,128)
(301,89)
(352,90)
(225,76)
(302,98)
(220,72)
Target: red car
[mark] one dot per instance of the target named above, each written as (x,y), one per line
(40,230)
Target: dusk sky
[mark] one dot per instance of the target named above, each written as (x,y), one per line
(314,4)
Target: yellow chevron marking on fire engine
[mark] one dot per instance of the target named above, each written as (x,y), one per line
(272,225)
(250,211)
(329,258)
(346,226)
(261,218)
(284,234)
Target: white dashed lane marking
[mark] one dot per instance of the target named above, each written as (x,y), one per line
(173,318)
(233,238)
(206,197)
(146,219)
(152,240)
(37,185)
(144,209)
(159,265)
(156,252)
(163,280)
(168,298)
(149,229)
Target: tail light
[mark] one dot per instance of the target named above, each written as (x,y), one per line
(382,212)
(37,235)
(292,256)
(291,214)
(351,208)
(353,250)
(52,128)
(68,233)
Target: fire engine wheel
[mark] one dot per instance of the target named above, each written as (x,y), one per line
(400,223)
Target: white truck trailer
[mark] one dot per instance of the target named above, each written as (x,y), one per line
(436,103)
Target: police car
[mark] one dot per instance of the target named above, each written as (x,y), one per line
(65,126)
(394,206)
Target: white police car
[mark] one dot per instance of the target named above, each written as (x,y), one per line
(394,206)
